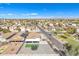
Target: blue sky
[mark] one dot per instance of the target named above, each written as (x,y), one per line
(38,10)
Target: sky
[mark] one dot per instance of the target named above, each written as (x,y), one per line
(39,10)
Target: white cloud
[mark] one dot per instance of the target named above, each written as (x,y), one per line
(7,14)
(34,14)
(10,14)
(30,14)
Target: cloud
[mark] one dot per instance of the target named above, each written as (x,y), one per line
(10,14)
(7,14)
(34,14)
(30,14)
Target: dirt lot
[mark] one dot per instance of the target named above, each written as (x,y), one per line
(33,35)
(12,48)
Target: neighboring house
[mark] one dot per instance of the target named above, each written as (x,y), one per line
(77,30)
(73,24)
(5,27)
(23,29)
(13,29)
(36,30)
(33,29)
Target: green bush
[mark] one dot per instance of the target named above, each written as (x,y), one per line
(5,30)
(34,47)
(55,32)
(63,36)
(1,29)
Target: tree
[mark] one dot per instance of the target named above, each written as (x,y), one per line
(71,30)
(68,47)
(5,30)
(34,47)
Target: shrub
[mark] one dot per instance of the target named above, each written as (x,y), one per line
(71,30)
(6,30)
(34,47)
(63,36)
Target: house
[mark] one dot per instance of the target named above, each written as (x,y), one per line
(74,25)
(13,28)
(23,29)
(77,30)
(35,40)
(4,27)
(33,29)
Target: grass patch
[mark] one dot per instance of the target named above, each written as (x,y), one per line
(71,41)
(28,45)
(32,46)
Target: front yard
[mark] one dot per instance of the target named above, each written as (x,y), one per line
(32,46)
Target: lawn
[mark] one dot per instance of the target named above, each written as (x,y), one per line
(28,45)
(32,46)
(71,41)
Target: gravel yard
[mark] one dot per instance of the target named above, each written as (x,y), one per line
(43,49)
